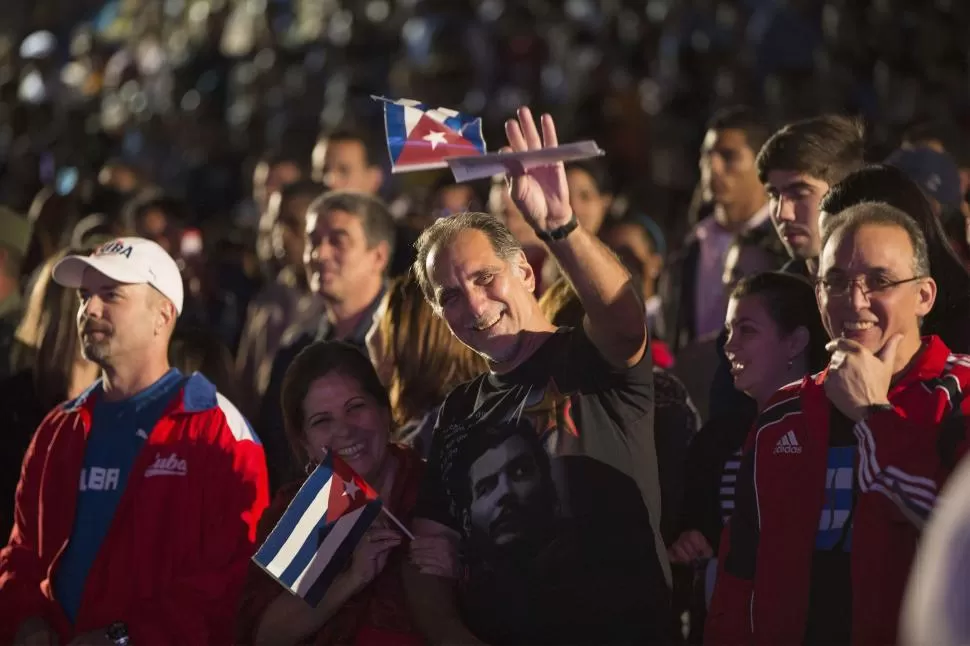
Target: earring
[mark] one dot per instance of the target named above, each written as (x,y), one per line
(310,466)
(790,363)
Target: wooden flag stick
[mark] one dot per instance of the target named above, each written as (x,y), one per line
(397,522)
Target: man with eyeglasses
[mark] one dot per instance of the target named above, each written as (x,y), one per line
(843,468)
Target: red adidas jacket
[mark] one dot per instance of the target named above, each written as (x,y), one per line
(904,456)
(173,562)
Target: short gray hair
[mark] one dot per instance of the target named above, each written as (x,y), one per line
(443,231)
(881,214)
(375,217)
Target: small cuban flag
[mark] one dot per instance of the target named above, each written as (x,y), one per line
(422,138)
(319,531)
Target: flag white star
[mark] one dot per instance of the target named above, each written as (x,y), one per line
(435,138)
(350,488)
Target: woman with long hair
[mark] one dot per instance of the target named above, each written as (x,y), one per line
(47,368)
(46,343)
(418,359)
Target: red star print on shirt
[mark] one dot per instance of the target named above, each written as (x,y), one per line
(553,411)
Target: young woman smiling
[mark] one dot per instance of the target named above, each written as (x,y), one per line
(775,337)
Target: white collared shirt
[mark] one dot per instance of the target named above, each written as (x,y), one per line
(710,300)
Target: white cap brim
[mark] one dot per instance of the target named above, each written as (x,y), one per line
(69,272)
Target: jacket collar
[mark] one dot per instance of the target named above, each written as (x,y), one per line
(198,395)
(85,399)
(359,335)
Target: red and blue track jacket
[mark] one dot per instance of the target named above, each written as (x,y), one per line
(175,557)
(903,458)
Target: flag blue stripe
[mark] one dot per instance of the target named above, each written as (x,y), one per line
(298,506)
(470,128)
(473,133)
(396,129)
(341,557)
(458,122)
(303,556)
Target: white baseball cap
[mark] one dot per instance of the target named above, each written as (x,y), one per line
(130,261)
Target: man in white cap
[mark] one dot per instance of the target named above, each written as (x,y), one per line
(137,503)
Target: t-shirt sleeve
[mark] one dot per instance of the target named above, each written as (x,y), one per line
(582,366)
(433,502)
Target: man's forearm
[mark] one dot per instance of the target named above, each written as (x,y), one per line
(432,602)
(612,304)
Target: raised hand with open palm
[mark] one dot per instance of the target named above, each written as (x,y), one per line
(541,193)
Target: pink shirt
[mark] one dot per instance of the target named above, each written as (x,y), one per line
(710,300)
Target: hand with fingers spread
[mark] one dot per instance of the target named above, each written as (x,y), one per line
(541,193)
(437,555)
(857,378)
(371,555)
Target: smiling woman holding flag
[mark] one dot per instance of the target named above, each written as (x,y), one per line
(337,416)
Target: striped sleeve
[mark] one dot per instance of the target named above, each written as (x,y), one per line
(905,461)
(239,425)
(249,462)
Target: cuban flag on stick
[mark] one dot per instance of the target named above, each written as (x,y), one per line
(422,138)
(316,537)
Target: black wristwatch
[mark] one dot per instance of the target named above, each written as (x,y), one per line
(117,633)
(877,408)
(560,233)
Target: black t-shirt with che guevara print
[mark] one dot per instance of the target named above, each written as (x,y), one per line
(549,473)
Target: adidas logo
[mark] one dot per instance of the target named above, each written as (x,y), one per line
(788,444)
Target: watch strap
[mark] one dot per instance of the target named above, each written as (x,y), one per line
(878,408)
(560,232)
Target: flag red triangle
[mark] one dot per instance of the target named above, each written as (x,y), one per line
(431,142)
(348,491)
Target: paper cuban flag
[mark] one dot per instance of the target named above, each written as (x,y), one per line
(420,137)
(317,534)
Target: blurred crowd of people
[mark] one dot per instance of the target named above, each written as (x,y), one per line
(706,388)
(191,93)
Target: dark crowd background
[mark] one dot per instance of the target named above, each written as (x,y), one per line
(189,95)
(175,120)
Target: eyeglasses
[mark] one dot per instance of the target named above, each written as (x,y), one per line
(839,286)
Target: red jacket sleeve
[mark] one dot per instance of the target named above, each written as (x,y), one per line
(200,606)
(22,567)
(908,462)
